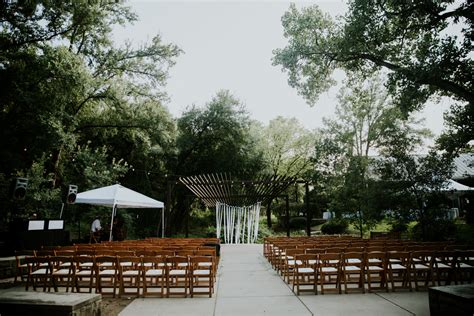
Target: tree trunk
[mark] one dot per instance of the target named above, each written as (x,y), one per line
(56,164)
(269,215)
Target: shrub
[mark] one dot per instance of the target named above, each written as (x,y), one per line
(435,230)
(399,227)
(298,222)
(335,226)
(465,233)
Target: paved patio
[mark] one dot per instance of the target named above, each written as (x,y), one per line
(247,285)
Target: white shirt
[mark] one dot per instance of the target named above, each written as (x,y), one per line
(95,226)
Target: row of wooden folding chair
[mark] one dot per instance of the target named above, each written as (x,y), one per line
(397,269)
(176,275)
(276,253)
(311,242)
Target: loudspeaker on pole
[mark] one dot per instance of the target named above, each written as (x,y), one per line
(19,188)
(71,194)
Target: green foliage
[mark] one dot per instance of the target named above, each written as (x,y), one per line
(90,167)
(439,230)
(41,198)
(298,222)
(287,147)
(411,40)
(459,130)
(365,120)
(335,226)
(464,233)
(217,139)
(77,109)
(413,185)
(399,227)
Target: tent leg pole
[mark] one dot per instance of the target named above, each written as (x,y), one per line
(163,222)
(287,217)
(112,223)
(187,223)
(308,213)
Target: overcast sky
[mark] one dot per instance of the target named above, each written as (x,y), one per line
(228,45)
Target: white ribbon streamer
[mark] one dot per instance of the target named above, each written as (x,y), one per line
(239,224)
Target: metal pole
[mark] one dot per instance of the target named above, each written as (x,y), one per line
(168,205)
(287,216)
(188,211)
(163,222)
(308,213)
(62,208)
(112,223)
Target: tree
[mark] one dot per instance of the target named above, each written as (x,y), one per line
(212,139)
(287,148)
(71,98)
(365,120)
(365,115)
(411,40)
(413,185)
(458,129)
(63,78)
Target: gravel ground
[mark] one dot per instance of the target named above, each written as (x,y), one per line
(113,306)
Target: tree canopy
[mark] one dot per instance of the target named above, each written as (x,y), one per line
(76,108)
(416,42)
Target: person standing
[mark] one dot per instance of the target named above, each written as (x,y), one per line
(95,230)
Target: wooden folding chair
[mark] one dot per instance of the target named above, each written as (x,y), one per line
(145,253)
(281,256)
(85,252)
(38,271)
(44,252)
(21,266)
(129,274)
(62,272)
(329,271)
(106,273)
(398,268)
(376,270)
(421,268)
(289,263)
(154,275)
(64,253)
(201,275)
(104,252)
(178,276)
(84,273)
(305,273)
(208,252)
(464,267)
(444,267)
(352,270)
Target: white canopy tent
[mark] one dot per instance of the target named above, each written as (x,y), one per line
(452,185)
(118,196)
(455,191)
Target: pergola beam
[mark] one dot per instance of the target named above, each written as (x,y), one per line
(220,187)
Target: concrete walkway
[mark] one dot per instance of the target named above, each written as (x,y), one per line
(247,285)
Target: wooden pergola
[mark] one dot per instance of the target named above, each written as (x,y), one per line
(223,188)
